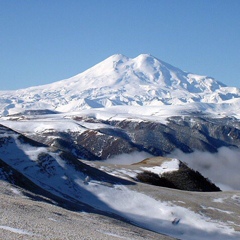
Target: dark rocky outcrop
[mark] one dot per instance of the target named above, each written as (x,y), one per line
(184,178)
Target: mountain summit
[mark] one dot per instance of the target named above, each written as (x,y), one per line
(119,80)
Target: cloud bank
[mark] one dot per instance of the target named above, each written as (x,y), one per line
(128,158)
(222,168)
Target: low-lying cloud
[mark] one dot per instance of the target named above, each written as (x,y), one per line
(128,158)
(222,168)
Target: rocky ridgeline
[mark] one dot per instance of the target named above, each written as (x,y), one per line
(185,133)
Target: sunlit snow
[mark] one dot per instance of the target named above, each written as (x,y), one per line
(167,166)
(113,82)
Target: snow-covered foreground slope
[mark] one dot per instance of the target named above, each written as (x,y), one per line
(67,177)
(119,80)
(22,217)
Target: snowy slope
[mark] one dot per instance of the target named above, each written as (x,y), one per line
(119,80)
(71,179)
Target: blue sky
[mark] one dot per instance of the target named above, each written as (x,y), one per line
(43,41)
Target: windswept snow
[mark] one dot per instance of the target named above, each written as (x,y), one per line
(112,234)
(158,216)
(16,230)
(219,200)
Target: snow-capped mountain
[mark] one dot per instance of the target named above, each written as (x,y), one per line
(119,80)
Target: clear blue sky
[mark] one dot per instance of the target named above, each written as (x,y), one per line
(43,41)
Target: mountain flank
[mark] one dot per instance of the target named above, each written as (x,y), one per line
(122,81)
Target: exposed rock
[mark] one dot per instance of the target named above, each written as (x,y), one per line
(184,178)
(188,133)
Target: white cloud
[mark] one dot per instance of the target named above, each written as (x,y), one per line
(128,158)
(222,168)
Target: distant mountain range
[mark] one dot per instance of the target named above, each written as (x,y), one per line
(119,80)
